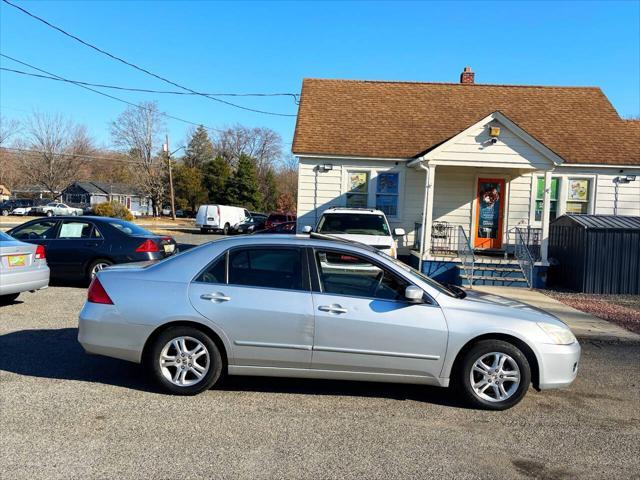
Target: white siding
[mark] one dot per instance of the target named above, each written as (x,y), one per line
(474,148)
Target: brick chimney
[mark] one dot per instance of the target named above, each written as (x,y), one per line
(467,76)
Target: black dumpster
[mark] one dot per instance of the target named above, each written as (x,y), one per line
(595,254)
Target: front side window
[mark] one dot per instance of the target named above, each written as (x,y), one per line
(553,210)
(357,189)
(347,274)
(353,223)
(578,196)
(387,193)
(267,268)
(36,231)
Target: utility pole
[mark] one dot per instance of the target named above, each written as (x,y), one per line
(173,199)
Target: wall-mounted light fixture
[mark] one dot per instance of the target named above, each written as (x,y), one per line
(327,167)
(494,132)
(617,181)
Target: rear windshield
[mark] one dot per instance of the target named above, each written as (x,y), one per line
(128,227)
(353,223)
(278,218)
(5,237)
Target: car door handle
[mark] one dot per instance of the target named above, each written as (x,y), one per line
(335,308)
(215,297)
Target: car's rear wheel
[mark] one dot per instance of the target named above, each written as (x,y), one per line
(493,375)
(204,230)
(49,213)
(7,299)
(5,213)
(96,266)
(185,360)
(226,228)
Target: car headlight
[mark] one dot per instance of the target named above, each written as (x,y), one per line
(559,335)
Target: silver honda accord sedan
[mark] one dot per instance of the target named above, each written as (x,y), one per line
(317,307)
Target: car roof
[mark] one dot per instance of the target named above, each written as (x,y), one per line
(359,211)
(300,240)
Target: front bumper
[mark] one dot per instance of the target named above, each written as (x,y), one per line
(558,365)
(101,331)
(26,281)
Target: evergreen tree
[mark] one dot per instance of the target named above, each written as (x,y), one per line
(199,150)
(242,187)
(270,189)
(189,188)
(216,175)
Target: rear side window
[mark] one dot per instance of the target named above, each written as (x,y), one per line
(268,268)
(73,229)
(215,273)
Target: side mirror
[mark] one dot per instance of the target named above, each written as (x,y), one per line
(413,294)
(306,229)
(399,232)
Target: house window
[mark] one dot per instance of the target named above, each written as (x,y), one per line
(578,195)
(387,193)
(358,187)
(553,210)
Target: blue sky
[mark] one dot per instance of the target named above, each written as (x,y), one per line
(272,46)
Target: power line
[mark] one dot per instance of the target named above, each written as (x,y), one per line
(146,90)
(141,69)
(58,77)
(62,154)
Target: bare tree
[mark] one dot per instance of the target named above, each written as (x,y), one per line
(262,144)
(57,150)
(138,132)
(8,128)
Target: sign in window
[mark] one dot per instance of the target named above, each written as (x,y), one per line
(358,187)
(578,196)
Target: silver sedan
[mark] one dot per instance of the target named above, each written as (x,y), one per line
(23,267)
(315,307)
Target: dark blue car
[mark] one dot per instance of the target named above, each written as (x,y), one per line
(78,247)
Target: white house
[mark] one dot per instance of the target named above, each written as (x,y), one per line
(484,168)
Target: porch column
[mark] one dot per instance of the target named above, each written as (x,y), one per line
(546,207)
(427,210)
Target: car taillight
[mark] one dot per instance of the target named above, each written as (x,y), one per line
(147,246)
(40,253)
(97,293)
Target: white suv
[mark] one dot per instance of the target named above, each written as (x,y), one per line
(364,225)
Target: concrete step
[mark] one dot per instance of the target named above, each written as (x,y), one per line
(493,271)
(495,281)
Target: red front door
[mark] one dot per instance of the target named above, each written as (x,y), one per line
(489,213)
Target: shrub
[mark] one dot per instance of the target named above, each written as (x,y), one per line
(112,209)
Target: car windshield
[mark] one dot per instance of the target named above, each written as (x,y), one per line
(5,237)
(129,228)
(353,223)
(447,290)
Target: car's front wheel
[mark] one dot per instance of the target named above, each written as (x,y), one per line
(493,375)
(185,361)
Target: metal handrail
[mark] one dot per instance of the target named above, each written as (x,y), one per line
(524,256)
(466,254)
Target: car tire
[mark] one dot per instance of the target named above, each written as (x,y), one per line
(8,299)
(225,230)
(484,386)
(204,231)
(49,213)
(5,213)
(97,265)
(166,374)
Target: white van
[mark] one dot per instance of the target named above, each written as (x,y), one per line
(219,218)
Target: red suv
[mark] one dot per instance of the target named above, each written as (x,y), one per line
(278,218)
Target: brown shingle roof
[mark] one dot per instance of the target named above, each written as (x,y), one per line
(404,119)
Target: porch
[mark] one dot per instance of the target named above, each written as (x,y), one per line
(486,204)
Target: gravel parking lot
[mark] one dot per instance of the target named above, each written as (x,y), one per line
(65,414)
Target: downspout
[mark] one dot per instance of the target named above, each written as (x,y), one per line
(423,233)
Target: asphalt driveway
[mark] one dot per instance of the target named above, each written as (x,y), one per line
(64,414)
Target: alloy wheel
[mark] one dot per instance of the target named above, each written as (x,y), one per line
(98,267)
(495,377)
(184,361)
